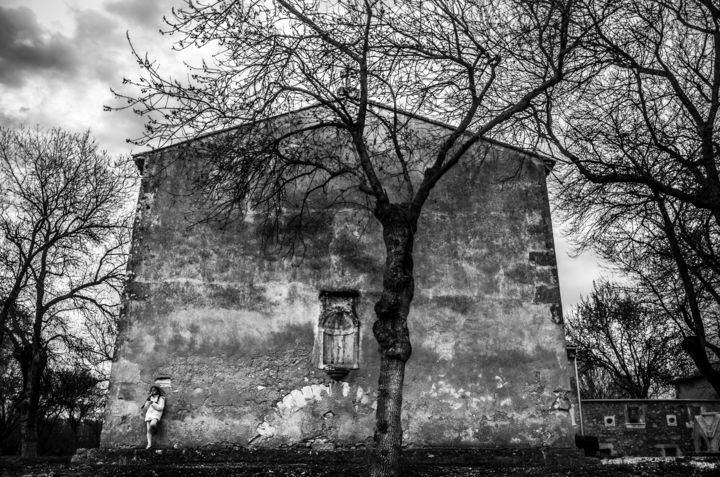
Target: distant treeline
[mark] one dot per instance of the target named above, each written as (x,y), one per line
(57,437)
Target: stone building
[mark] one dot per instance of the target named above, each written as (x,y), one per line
(255,347)
(644,427)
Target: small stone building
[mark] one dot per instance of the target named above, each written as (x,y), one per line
(257,347)
(644,427)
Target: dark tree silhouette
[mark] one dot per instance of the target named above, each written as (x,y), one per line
(10,388)
(64,229)
(626,349)
(640,139)
(73,394)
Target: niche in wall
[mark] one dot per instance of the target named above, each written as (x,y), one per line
(338,335)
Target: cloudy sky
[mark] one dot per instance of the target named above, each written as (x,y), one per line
(59,59)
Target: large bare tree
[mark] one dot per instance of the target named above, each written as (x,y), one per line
(366,67)
(64,230)
(626,349)
(639,134)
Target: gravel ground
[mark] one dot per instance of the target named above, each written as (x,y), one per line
(13,467)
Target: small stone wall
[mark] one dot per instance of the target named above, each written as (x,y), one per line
(644,427)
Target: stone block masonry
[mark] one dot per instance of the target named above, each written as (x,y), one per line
(644,427)
(230,323)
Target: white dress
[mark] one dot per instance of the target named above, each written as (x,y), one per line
(153,413)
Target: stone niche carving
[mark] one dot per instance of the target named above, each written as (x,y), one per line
(338,338)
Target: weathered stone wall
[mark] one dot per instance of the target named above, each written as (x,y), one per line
(233,323)
(655,436)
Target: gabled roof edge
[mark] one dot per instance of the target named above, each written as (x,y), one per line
(547,160)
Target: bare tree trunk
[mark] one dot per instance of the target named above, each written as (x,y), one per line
(694,346)
(33,367)
(399,225)
(28,430)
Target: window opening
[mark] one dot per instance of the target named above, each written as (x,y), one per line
(635,416)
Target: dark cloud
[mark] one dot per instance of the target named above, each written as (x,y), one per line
(142,12)
(27,48)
